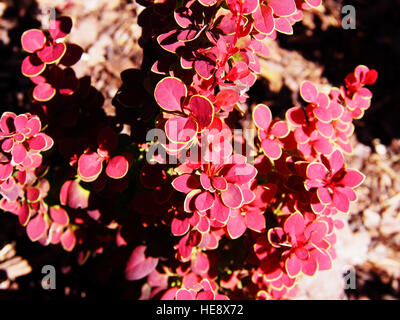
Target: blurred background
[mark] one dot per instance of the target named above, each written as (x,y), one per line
(320,50)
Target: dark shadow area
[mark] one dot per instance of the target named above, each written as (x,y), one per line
(376,43)
(372,287)
(279,102)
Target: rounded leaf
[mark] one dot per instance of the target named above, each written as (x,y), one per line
(308,91)
(33,40)
(117,167)
(90,166)
(52,53)
(32,66)
(43,92)
(170,93)
(262,116)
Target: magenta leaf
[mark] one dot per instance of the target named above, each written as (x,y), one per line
(139,266)
(117,167)
(43,92)
(202,110)
(185,183)
(308,91)
(264,20)
(73,195)
(33,40)
(52,53)
(236,226)
(204,201)
(59,215)
(32,66)
(36,227)
(68,240)
(90,166)
(294,225)
(232,197)
(180,130)
(170,93)
(262,116)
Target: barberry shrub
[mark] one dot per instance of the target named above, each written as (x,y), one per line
(203,211)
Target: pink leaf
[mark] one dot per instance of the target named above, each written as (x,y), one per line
(36,227)
(117,167)
(264,20)
(204,201)
(219,212)
(205,66)
(219,183)
(59,215)
(232,197)
(32,194)
(255,220)
(52,53)
(43,92)
(32,66)
(236,226)
(169,41)
(5,171)
(271,149)
(180,130)
(340,201)
(183,294)
(336,161)
(202,110)
(262,116)
(90,166)
(68,240)
(170,93)
(185,183)
(283,25)
(37,143)
(179,227)
(19,153)
(33,40)
(283,7)
(189,203)
(294,225)
(240,173)
(324,195)
(279,129)
(316,171)
(201,263)
(308,91)
(293,266)
(352,178)
(309,267)
(74,195)
(226,98)
(139,266)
